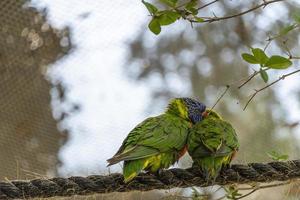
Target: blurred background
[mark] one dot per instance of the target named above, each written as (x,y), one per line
(77,76)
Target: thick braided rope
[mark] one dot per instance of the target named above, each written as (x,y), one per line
(166,179)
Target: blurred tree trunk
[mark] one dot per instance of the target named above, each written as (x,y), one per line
(29,139)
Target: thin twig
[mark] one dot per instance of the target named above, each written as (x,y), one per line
(237,82)
(269,85)
(246,194)
(288,52)
(213,19)
(222,95)
(267,45)
(264,187)
(249,79)
(208,4)
(295,57)
(281,34)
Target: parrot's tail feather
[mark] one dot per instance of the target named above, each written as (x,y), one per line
(118,158)
(130,177)
(132,168)
(134,153)
(112,161)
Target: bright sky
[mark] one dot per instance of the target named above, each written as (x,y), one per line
(94,74)
(112,105)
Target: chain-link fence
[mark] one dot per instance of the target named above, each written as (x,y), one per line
(29,139)
(119,68)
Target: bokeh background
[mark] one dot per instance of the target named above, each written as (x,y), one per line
(77,76)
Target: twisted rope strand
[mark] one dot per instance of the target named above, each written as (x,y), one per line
(166,179)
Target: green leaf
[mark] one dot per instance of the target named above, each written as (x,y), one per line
(171,3)
(193,11)
(154,26)
(264,75)
(296,17)
(199,19)
(249,58)
(276,156)
(287,29)
(168,17)
(191,6)
(260,55)
(151,8)
(278,62)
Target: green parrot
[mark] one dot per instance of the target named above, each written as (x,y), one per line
(158,142)
(212,144)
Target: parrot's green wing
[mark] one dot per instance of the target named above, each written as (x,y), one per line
(154,143)
(153,136)
(212,144)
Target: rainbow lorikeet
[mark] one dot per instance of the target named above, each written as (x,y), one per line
(158,142)
(212,144)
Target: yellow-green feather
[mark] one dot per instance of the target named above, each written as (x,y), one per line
(178,108)
(213,114)
(153,163)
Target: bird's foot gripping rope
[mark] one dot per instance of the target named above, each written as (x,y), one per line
(166,179)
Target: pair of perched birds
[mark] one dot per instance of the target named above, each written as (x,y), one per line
(158,142)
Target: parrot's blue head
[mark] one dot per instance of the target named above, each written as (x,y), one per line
(187,108)
(196,109)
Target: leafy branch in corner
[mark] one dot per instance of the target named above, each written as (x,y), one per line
(259,56)
(263,5)
(275,62)
(188,11)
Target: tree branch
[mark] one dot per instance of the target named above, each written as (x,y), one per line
(222,95)
(269,85)
(213,19)
(208,4)
(249,79)
(264,187)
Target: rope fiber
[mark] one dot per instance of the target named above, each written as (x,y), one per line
(165,179)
